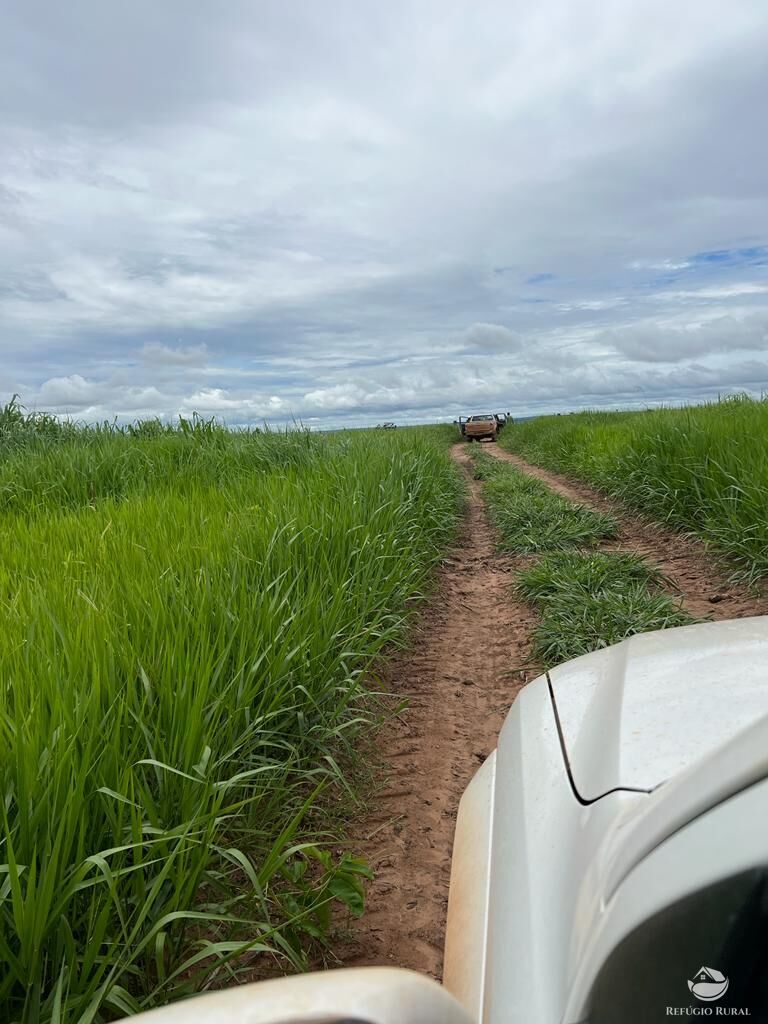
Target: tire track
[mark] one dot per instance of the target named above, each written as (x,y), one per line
(461,673)
(698,576)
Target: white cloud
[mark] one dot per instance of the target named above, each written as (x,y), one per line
(595,305)
(338,397)
(665,264)
(491,338)
(62,391)
(439,206)
(654,342)
(154,353)
(727,291)
(77,395)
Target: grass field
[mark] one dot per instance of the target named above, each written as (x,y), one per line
(702,468)
(188,616)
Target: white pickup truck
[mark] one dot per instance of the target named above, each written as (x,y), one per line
(610,864)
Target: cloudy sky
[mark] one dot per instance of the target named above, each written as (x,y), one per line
(345,212)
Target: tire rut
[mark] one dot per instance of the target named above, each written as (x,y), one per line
(466,661)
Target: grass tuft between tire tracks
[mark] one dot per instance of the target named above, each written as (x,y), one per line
(587,599)
(530,518)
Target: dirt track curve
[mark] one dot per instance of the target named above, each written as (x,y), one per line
(460,676)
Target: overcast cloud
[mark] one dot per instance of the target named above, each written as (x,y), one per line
(344,212)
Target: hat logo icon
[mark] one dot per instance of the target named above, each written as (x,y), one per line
(709,984)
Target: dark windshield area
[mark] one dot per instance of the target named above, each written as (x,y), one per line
(658,964)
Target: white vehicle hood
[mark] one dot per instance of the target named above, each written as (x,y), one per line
(639,713)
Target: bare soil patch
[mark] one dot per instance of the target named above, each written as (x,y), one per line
(460,676)
(698,575)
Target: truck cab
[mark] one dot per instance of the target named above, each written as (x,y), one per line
(481,427)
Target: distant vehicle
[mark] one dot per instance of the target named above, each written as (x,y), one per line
(484,426)
(610,859)
(386,426)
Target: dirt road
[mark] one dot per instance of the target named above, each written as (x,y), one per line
(460,676)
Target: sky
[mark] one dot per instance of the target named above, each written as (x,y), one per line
(346,212)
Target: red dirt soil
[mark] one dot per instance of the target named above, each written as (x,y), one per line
(460,676)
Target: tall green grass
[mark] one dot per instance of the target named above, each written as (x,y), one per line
(187,620)
(529,517)
(702,469)
(587,599)
(592,600)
